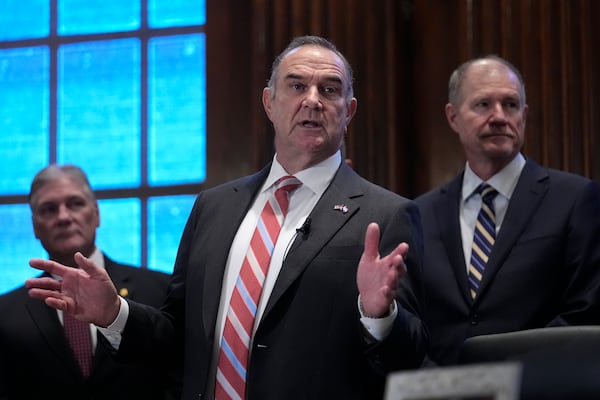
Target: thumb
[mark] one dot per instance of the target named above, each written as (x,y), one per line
(371,250)
(85,264)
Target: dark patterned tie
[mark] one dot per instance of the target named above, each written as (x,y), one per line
(484,236)
(78,336)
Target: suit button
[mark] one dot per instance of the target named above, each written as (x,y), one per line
(474,319)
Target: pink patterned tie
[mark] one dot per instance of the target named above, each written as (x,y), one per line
(78,336)
(234,353)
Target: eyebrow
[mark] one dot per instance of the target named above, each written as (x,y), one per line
(328,78)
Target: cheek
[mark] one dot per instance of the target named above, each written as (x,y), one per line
(40,229)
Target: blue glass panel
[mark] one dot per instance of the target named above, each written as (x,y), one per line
(119,234)
(166,219)
(24,116)
(177,109)
(76,17)
(99,110)
(163,14)
(17,245)
(24,19)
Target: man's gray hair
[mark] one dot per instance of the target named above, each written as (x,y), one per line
(311,41)
(54,172)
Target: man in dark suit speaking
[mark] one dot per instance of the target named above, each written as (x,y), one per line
(325,316)
(37,359)
(509,245)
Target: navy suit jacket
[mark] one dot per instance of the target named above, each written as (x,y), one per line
(544,268)
(309,343)
(36,361)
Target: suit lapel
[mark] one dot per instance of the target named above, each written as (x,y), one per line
(121,277)
(529,192)
(447,211)
(332,211)
(237,204)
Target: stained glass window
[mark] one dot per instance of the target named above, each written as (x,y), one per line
(117,88)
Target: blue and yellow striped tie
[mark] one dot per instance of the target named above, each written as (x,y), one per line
(484,236)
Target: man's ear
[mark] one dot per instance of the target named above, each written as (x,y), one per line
(266,100)
(451,116)
(97,208)
(351,110)
(34,225)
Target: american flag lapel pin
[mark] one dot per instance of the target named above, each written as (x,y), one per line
(341,207)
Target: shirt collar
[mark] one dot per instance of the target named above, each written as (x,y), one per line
(97,257)
(315,178)
(504,181)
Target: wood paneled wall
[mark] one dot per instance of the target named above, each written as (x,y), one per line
(403,52)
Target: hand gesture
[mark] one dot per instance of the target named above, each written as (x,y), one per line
(377,278)
(86,292)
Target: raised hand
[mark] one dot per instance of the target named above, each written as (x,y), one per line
(377,278)
(86,292)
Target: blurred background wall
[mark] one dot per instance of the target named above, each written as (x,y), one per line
(403,52)
(158,100)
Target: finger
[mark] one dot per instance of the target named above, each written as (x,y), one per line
(401,249)
(372,241)
(59,304)
(43,294)
(43,283)
(85,263)
(48,266)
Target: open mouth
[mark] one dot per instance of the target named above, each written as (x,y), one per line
(310,124)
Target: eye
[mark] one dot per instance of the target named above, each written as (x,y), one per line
(47,210)
(297,86)
(75,204)
(330,92)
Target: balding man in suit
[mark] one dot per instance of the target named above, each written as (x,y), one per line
(36,360)
(538,263)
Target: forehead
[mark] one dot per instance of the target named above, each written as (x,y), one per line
(490,77)
(309,60)
(58,189)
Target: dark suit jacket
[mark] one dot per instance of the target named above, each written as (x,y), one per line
(36,361)
(309,343)
(544,269)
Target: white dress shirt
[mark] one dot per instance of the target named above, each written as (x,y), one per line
(504,182)
(315,181)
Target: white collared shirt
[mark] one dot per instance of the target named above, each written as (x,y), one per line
(315,181)
(504,182)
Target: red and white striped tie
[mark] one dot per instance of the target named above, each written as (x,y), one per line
(234,352)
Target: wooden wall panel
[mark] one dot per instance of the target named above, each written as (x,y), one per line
(403,52)
(552,43)
(370,35)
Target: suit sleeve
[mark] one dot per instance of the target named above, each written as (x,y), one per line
(406,345)
(581,303)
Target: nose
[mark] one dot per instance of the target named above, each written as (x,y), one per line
(498,113)
(63,213)
(312,98)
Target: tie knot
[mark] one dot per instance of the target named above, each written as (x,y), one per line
(487,192)
(287,184)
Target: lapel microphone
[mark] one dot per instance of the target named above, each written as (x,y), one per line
(305,228)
